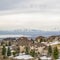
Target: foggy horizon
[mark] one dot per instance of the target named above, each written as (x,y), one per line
(30,14)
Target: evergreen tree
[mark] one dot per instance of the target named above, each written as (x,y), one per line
(3,50)
(32,53)
(8,52)
(32,41)
(2,43)
(55,53)
(41,40)
(18,50)
(14,54)
(39,59)
(9,43)
(27,50)
(49,50)
(6,44)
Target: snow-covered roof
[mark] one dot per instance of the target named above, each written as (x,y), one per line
(53,43)
(23,57)
(44,57)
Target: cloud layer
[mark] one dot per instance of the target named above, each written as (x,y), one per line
(30,14)
(30,5)
(38,21)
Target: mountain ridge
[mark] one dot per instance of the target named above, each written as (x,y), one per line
(32,32)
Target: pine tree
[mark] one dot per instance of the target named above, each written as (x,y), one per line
(32,41)
(49,50)
(2,43)
(27,50)
(41,40)
(3,50)
(18,50)
(39,59)
(14,53)
(32,53)
(55,53)
(9,43)
(8,52)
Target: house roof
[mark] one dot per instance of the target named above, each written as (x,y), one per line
(53,43)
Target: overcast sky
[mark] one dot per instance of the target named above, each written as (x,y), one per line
(30,14)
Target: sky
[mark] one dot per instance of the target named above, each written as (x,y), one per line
(30,14)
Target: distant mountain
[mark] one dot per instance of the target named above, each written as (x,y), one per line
(32,33)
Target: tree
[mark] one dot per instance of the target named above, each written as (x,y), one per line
(2,43)
(8,52)
(39,59)
(32,41)
(49,50)
(9,43)
(3,50)
(18,50)
(27,50)
(14,53)
(41,40)
(32,53)
(55,53)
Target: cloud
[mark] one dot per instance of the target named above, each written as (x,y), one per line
(30,21)
(31,14)
(30,6)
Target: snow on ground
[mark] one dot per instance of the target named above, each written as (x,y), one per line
(53,43)
(45,58)
(58,59)
(23,56)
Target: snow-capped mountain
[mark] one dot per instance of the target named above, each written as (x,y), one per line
(32,33)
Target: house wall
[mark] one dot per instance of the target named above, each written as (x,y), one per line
(22,48)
